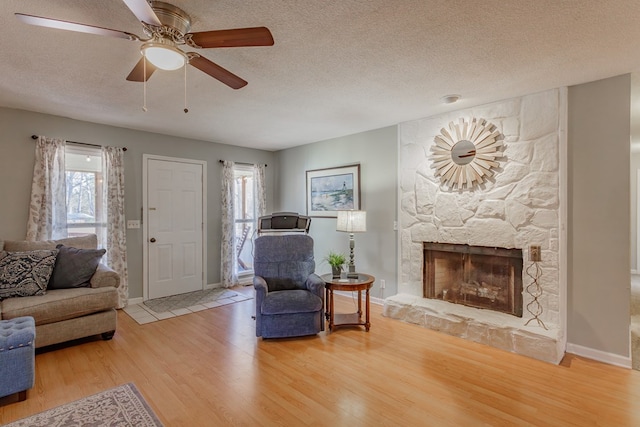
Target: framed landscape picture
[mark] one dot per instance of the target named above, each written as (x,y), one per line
(332,190)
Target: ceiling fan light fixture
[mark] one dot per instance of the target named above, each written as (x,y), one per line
(164,55)
(167,28)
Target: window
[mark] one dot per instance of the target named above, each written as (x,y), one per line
(83,168)
(244,217)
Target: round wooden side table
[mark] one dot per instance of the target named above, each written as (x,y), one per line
(364,282)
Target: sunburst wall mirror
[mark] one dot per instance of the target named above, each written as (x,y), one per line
(465,155)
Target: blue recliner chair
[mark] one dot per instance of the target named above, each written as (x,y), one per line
(289,295)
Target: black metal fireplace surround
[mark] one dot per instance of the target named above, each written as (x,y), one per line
(476,276)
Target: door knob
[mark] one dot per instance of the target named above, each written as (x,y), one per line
(153,240)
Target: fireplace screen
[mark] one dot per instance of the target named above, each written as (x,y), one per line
(477,276)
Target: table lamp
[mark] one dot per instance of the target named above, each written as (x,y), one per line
(352,222)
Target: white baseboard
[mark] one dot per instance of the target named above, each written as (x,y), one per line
(634,272)
(134,301)
(600,356)
(376,300)
(372,300)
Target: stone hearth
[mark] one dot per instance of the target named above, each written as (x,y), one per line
(519,207)
(498,330)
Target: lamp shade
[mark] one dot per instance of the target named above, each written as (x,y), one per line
(352,221)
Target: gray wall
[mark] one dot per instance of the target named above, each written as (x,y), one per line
(635,166)
(599,215)
(377,153)
(599,202)
(16,169)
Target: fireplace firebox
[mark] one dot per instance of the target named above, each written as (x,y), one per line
(476,276)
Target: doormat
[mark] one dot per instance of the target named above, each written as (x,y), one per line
(178,305)
(119,406)
(175,302)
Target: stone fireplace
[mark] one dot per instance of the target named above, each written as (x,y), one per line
(518,207)
(475,276)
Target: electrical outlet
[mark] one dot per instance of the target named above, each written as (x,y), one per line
(535,253)
(383,283)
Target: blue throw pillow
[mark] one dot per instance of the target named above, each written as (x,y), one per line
(25,273)
(74,267)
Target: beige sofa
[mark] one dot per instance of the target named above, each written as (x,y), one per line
(67,314)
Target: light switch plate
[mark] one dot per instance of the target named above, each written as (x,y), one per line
(133,223)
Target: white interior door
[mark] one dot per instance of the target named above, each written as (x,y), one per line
(174,227)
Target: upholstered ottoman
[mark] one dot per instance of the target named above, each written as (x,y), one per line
(17,356)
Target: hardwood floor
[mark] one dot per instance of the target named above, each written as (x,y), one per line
(208,369)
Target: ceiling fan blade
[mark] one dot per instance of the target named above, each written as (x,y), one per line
(138,72)
(73,26)
(143,11)
(239,37)
(216,71)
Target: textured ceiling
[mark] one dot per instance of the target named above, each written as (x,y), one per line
(336,68)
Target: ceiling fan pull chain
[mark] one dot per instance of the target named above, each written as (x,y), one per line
(186,110)
(144,85)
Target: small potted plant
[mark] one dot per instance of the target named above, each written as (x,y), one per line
(336,261)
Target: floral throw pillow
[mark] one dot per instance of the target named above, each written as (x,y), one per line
(26,273)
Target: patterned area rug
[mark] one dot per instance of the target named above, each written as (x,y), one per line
(175,302)
(119,406)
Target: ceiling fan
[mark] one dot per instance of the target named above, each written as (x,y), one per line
(167,27)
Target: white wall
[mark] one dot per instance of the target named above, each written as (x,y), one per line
(16,169)
(518,207)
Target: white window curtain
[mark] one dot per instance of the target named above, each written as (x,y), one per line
(228,268)
(48,208)
(229,256)
(113,234)
(260,190)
